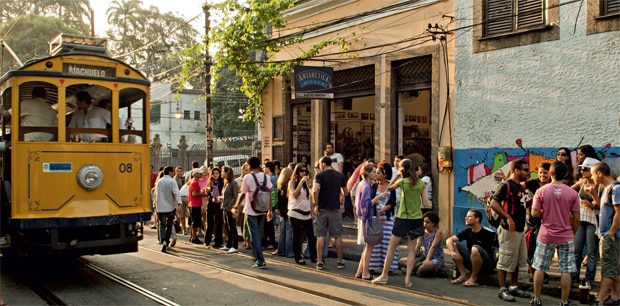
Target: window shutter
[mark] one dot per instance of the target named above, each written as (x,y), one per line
(530,13)
(609,7)
(499,16)
(155,113)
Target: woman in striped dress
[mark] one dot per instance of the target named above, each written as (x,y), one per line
(385,210)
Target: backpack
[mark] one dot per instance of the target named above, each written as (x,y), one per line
(493,217)
(611,188)
(261,199)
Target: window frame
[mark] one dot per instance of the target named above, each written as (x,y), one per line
(515,22)
(544,32)
(598,20)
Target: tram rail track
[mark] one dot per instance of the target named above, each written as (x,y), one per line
(271,280)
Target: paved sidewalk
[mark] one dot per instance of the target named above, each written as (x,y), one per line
(352,252)
(485,294)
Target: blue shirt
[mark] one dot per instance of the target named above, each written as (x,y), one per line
(607,209)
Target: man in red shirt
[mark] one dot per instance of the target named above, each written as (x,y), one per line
(195,203)
(153,177)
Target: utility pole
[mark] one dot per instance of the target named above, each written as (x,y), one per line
(209,126)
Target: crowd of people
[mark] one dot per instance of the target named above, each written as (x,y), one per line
(563,209)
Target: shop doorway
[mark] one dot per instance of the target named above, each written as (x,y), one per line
(353,133)
(415,115)
(302,134)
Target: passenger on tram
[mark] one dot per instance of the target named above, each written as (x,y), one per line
(89,116)
(36,112)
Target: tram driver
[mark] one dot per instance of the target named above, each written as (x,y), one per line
(37,113)
(89,116)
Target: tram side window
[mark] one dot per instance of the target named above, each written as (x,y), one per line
(90,122)
(38,121)
(132,115)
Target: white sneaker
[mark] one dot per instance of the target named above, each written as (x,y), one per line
(224,248)
(232,251)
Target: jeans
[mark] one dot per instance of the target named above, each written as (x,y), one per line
(231,226)
(285,239)
(297,226)
(586,237)
(269,237)
(254,227)
(165,225)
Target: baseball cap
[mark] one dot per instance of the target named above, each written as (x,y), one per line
(198,170)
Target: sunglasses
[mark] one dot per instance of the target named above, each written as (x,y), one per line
(303,170)
(525,169)
(584,169)
(562,154)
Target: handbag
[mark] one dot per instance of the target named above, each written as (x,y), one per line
(373,234)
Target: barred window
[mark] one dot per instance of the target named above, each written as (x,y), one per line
(186,115)
(507,16)
(196,115)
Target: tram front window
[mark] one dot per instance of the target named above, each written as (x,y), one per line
(38,121)
(89,116)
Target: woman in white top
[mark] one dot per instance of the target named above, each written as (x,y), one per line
(299,212)
(423,171)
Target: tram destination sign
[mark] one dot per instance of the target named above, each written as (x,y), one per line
(89,71)
(313,82)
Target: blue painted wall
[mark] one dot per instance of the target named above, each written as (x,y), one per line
(473,169)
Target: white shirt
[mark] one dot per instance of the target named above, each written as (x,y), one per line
(338,160)
(429,190)
(248,186)
(95,118)
(166,194)
(36,112)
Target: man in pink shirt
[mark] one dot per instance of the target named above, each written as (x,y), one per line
(248,186)
(558,206)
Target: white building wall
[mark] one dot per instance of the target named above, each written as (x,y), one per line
(548,94)
(169,128)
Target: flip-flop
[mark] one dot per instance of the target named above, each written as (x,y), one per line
(377,282)
(458,281)
(367,278)
(469,284)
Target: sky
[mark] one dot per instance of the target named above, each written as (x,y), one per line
(188,9)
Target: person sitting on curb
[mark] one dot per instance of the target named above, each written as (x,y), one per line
(478,255)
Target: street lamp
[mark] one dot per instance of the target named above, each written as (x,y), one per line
(177,113)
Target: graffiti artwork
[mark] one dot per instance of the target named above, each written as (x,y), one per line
(474,168)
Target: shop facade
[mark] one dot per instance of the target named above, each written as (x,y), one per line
(391,90)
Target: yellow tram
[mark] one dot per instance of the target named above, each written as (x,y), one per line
(79,184)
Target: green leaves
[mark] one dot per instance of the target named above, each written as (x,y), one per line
(245,32)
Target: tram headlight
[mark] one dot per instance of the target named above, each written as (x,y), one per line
(90,177)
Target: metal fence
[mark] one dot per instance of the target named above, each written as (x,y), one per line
(183,155)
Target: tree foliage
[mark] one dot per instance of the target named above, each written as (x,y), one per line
(31,34)
(75,14)
(152,41)
(227,102)
(241,35)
